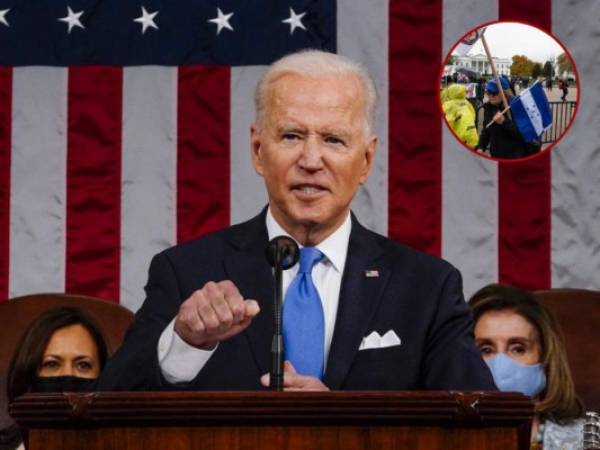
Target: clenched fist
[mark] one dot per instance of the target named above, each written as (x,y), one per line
(214,313)
(499,118)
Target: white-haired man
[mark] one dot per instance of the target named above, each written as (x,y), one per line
(363,313)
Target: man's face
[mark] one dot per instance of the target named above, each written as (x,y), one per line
(312,150)
(495,99)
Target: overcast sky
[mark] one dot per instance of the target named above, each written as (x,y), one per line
(507,39)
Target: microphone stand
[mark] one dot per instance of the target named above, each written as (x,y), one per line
(276,379)
(282,253)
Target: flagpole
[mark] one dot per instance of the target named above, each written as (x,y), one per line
(496,77)
(501,112)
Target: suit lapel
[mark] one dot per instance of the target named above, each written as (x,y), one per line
(251,273)
(359,294)
(359,298)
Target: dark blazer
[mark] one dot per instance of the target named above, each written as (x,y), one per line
(505,141)
(416,295)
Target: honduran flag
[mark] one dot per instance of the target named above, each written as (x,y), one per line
(531,112)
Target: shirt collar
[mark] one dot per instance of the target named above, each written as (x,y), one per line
(334,247)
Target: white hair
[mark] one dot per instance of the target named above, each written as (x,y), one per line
(315,63)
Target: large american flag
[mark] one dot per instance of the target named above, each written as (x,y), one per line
(124,129)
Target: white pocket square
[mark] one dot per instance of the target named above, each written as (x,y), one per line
(374,340)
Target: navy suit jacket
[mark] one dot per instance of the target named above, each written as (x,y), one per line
(416,295)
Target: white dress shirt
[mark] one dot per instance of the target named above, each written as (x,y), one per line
(181,362)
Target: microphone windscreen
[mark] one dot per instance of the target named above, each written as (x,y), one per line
(282,252)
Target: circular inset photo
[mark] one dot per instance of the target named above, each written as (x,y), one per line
(508,91)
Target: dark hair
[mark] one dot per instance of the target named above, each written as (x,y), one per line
(558,400)
(27,359)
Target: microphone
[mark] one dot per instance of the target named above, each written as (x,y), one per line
(282,253)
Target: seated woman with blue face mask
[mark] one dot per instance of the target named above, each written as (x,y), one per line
(522,344)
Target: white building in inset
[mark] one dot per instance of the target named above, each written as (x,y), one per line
(480,64)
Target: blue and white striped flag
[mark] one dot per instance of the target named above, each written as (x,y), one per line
(531,112)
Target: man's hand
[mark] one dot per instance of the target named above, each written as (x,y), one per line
(498,118)
(214,313)
(293,381)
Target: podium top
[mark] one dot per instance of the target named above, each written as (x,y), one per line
(445,408)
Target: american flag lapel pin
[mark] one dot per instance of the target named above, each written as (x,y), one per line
(371,273)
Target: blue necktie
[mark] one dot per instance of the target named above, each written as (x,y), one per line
(303,321)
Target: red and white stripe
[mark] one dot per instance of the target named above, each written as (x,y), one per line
(102,167)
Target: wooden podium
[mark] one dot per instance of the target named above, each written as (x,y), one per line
(275,420)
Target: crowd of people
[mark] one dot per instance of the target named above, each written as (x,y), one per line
(493,134)
(498,137)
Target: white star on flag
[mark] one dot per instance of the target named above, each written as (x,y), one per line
(222,21)
(295,21)
(3,16)
(72,18)
(147,20)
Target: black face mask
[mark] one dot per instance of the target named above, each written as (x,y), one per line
(63,384)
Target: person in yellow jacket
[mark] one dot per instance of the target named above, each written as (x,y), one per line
(460,114)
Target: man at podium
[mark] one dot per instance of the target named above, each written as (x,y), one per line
(360,311)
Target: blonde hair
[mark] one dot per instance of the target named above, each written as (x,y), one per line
(315,63)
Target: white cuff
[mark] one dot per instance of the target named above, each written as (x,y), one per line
(179,361)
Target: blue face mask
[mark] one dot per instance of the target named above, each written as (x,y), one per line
(512,376)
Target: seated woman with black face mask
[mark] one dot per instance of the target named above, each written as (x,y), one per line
(522,344)
(62,351)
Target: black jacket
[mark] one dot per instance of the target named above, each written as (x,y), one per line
(415,294)
(504,140)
